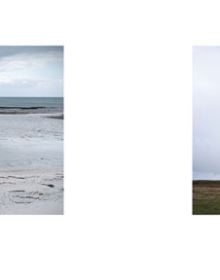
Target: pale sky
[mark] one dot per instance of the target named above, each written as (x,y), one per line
(31,71)
(206,112)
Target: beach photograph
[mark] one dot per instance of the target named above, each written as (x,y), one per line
(31,134)
(206,132)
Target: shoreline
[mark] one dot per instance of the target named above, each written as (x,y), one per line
(51,115)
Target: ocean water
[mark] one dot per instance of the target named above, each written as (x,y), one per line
(31,104)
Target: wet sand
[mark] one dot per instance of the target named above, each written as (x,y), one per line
(31,164)
(32,192)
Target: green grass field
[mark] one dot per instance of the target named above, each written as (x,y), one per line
(206,197)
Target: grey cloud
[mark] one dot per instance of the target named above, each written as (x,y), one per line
(32,71)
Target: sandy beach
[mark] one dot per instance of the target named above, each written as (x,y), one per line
(31,163)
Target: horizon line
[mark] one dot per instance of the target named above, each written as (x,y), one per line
(32,96)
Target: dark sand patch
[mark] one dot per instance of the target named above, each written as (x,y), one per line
(60,117)
(206,197)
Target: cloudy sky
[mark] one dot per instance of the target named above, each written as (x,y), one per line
(206,112)
(31,71)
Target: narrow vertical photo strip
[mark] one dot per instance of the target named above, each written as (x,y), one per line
(206,130)
(31,130)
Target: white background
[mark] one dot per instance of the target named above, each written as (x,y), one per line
(128,123)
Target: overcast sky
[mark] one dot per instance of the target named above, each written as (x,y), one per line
(31,71)
(206,112)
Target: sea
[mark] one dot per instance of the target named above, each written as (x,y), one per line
(16,105)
